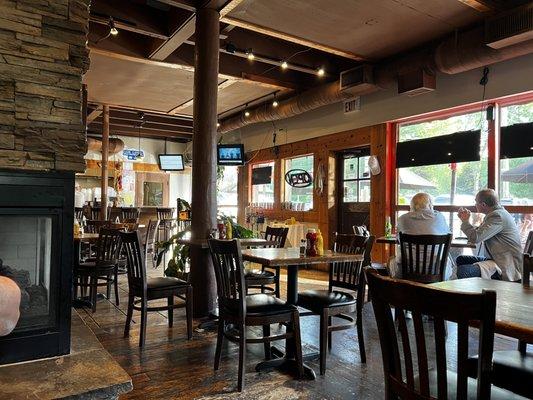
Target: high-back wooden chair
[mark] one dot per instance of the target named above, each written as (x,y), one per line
(401,381)
(104,267)
(94,213)
(129,213)
(78,214)
(424,257)
(94,225)
(143,289)
(164,213)
(150,241)
(361,230)
(528,247)
(259,279)
(339,303)
(239,310)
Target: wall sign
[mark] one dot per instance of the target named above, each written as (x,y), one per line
(298,178)
(352,105)
(132,154)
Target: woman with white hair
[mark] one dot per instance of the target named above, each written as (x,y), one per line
(421,220)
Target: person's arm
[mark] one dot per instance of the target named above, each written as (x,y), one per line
(9,305)
(490,227)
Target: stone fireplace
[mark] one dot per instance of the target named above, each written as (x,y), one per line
(43,55)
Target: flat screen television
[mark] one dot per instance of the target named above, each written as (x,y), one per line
(171,162)
(230,154)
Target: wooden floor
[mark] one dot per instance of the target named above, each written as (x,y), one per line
(171,367)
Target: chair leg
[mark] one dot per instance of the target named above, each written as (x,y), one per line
(144,312)
(170,302)
(266,332)
(220,341)
(242,357)
(323,340)
(109,282)
(76,284)
(189,312)
(329,333)
(129,316)
(360,338)
(277,282)
(297,339)
(522,346)
(117,300)
(83,286)
(93,291)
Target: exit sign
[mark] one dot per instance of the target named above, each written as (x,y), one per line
(352,105)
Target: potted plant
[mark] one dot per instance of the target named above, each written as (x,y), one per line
(177,266)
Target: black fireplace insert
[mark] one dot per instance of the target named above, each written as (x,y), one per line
(36,250)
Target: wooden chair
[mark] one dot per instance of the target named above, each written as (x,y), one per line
(462,308)
(94,213)
(424,257)
(256,279)
(104,267)
(528,247)
(143,289)
(361,230)
(237,310)
(150,241)
(78,214)
(164,213)
(338,303)
(94,225)
(129,213)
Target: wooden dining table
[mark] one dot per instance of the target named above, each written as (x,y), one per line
(292,260)
(244,242)
(514,304)
(456,243)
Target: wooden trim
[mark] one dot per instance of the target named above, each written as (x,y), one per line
(176,39)
(229,7)
(290,38)
(477,5)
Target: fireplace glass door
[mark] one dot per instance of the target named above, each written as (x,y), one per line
(27,254)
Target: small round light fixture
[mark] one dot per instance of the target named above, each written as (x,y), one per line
(284,65)
(112,28)
(246,113)
(320,71)
(218,124)
(250,54)
(275,103)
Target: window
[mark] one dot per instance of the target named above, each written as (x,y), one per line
(452,183)
(263,185)
(227,191)
(356,178)
(299,198)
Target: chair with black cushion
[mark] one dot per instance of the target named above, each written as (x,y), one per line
(424,257)
(428,377)
(150,241)
(129,213)
(238,310)
(143,289)
(104,267)
(339,303)
(258,279)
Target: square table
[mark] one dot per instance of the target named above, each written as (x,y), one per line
(291,258)
(514,304)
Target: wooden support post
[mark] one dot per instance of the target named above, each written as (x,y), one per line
(105,157)
(204,171)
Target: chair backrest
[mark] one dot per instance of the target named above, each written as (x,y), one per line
(78,213)
(349,275)
(528,247)
(94,225)
(149,241)
(130,244)
(164,213)
(131,224)
(278,235)
(94,213)
(443,306)
(424,257)
(107,245)
(229,273)
(361,230)
(129,213)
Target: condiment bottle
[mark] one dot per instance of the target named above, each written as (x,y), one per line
(229,230)
(319,243)
(311,242)
(388,227)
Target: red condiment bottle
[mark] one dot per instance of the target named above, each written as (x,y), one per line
(311,243)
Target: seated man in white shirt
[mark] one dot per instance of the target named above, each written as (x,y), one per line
(420,220)
(500,237)
(9,305)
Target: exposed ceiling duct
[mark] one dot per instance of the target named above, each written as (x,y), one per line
(458,53)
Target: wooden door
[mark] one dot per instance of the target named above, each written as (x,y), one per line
(353,189)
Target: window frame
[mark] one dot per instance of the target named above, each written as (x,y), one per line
(283,183)
(251,188)
(358,179)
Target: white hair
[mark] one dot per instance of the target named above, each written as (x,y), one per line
(421,201)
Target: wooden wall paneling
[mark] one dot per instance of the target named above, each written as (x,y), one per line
(242,193)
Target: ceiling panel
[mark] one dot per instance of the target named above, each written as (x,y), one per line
(386,28)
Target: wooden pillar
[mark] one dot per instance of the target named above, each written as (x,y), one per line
(105,157)
(204,171)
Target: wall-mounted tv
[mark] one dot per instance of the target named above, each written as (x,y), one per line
(171,162)
(230,154)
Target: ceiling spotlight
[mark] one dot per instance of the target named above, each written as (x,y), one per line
(247,113)
(320,71)
(231,48)
(275,103)
(250,54)
(112,28)
(284,65)
(218,124)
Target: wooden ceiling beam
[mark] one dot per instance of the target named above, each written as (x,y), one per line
(478,5)
(144,135)
(147,124)
(178,37)
(291,38)
(189,5)
(116,128)
(94,114)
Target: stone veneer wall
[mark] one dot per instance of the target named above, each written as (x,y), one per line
(43,55)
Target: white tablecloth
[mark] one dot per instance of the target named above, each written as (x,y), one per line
(296,233)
